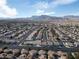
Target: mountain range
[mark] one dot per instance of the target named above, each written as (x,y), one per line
(48,18)
(44,18)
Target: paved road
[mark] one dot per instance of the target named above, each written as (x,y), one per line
(27,34)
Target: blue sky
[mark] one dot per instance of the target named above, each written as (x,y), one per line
(28,8)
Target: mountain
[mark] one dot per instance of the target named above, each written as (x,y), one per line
(45,18)
(72,17)
(48,18)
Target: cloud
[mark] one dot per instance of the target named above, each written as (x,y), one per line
(62,2)
(39,12)
(2,3)
(42,12)
(5,10)
(43,7)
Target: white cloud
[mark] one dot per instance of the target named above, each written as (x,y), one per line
(46,8)
(39,12)
(5,10)
(50,13)
(42,12)
(64,1)
(41,5)
(2,3)
(42,8)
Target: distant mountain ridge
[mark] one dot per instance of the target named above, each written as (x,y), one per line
(71,17)
(44,18)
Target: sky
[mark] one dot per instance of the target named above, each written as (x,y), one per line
(28,8)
